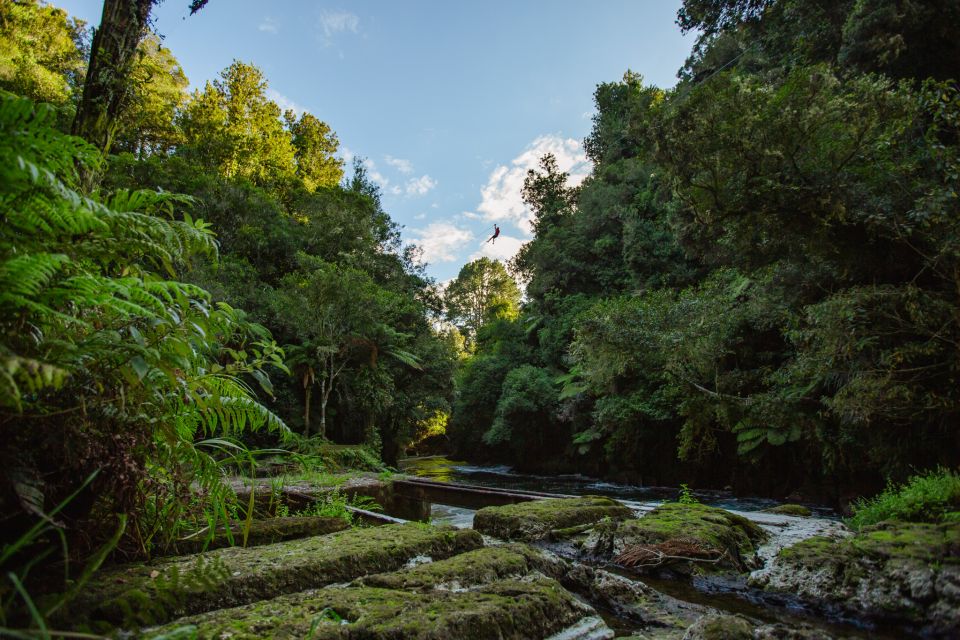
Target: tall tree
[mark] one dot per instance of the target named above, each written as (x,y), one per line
(482,291)
(40,56)
(159,90)
(108,88)
(314,144)
(233,127)
(112,55)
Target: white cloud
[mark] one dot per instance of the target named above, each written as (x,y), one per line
(268,25)
(401,165)
(284,102)
(334,22)
(441,241)
(504,248)
(501,197)
(420,186)
(375,175)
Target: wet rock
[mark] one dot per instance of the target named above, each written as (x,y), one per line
(731,627)
(790,510)
(635,601)
(540,519)
(459,573)
(720,627)
(900,572)
(533,608)
(137,595)
(681,538)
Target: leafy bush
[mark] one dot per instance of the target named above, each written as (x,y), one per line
(933,496)
(116,363)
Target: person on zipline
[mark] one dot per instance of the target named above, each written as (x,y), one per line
(496,234)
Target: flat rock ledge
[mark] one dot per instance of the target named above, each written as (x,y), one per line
(907,573)
(542,519)
(532,608)
(147,594)
(492,592)
(265,531)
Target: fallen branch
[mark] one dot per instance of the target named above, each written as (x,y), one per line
(678,550)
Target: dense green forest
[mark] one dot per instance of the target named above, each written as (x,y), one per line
(758,285)
(197,270)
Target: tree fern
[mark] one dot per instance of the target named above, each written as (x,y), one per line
(102,344)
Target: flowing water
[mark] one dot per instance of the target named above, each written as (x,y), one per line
(733,595)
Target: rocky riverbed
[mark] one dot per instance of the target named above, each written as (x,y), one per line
(564,569)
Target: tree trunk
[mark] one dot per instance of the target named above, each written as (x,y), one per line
(323,409)
(306,412)
(107,87)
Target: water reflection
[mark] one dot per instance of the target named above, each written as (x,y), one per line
(443,469)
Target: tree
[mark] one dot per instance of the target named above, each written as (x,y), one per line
(40,53)
(314,146)
(233,128)
(159,91)
(107,88)
(481,292)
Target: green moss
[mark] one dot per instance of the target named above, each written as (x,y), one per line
(710,528)
(927,543)
(267,531)
(896,571)
(478,567)
(790,510)
(537,519)
(151,594)
(505,609)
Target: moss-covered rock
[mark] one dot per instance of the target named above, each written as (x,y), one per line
(790,510)
(902,572)
(631,600)
(681,537)
(720,627)
(730,627)
(463,571)
(155,593)
(534,608)
(266,531)
(536,520)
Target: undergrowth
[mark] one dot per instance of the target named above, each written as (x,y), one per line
(933,496)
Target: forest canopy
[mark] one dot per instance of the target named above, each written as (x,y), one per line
(757,284)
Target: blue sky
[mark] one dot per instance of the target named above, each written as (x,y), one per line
(449,102)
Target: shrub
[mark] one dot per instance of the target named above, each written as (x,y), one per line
(933,496)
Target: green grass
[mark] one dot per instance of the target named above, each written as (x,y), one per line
(933,496)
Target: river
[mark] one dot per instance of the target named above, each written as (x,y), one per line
(732,596)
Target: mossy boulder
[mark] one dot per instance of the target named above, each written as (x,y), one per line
(532,608)
(266,531)
(463,571)
(631,600)
(899,572)
(138,595)
(539,519)
(735,627)
(681,538)
(790,510)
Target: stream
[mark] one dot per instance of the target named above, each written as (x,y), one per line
(729,595)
